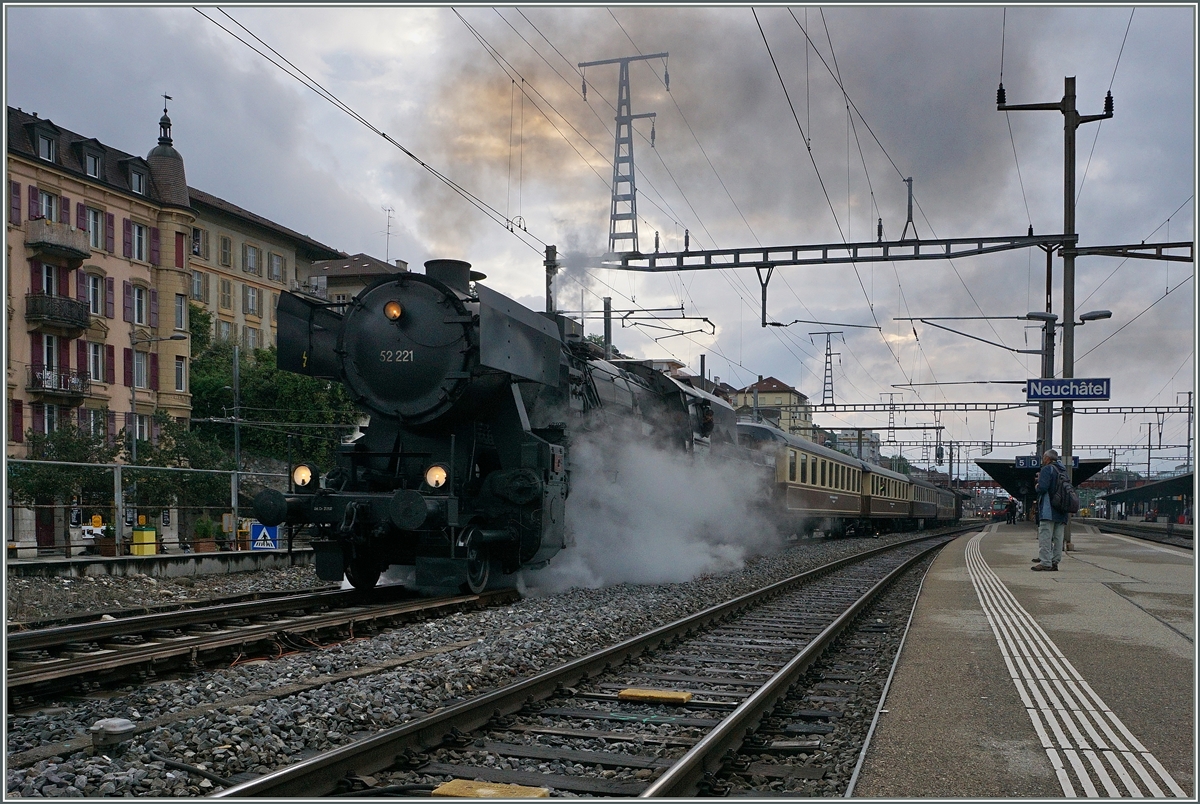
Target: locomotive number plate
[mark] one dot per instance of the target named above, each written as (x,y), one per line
(396,356)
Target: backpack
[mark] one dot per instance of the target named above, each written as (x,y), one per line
(1063,496)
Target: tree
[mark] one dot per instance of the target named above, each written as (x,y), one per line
(200,325)
(52,485)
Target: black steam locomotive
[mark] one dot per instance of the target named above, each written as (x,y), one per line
(464,469)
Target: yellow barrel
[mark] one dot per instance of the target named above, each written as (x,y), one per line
(145,542)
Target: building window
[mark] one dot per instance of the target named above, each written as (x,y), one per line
(50,356)
(251,338)
(50,280)
(91,164)
(226,294)
(139,304)
(139,242)
(95,422)
(339,298)
(251,306)
(142,426)
(226,251)
(200,243)
(95,294)
(51,418)
(180,374)
(180,311)
(275,267)
(47,149)
(95,354)
(48,205)
(223,330)
(250,260)
(197,286)
(137,182)
(95,228)
(139,370)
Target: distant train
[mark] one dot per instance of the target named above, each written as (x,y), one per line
(475,401)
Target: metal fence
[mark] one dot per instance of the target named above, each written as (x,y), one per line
(64,508)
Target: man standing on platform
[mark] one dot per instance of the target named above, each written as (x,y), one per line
(1051,521)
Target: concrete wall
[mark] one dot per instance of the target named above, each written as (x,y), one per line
(162,566)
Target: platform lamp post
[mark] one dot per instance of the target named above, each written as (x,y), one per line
(237,438)
(134,342)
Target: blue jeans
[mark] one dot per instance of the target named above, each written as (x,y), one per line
(1050,541)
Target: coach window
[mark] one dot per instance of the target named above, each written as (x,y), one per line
(822,471)
(792,465)
(803,468)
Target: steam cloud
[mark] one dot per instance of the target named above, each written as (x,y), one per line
(643,514)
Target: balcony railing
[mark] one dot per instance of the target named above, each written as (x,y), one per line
(57,239)
(51,380)
(60,310)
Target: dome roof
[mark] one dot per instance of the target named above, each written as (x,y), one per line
(166,168)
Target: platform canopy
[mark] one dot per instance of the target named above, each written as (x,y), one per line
(1022,483)
(1179,486)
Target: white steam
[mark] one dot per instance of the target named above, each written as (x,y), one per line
(644,514)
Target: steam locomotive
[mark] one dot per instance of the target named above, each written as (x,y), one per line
(463,471)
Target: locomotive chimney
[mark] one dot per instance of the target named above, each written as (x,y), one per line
(455,274)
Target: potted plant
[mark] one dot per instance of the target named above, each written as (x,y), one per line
(204,539)
(107,543)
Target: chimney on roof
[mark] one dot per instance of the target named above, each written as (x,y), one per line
(401,265)
(760,378)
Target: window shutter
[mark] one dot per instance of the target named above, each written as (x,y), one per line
(39,417)
(127,230)
(153,307)
(35,277)
(154,431)
(180,241)
(81,286)
(154,371)
(83,416)
(245,265)
(64,355)
(206,299)
(66,211)
(18,421)
(109,230)
(14,204)
(110,432)
(35,209)
(128,367)
(109,297)
(81,217)
(283,270)
(36,345)
(127,292)
(245,298)
(64,281)
(110,363)
(130,429)
(154,246)
(82,362)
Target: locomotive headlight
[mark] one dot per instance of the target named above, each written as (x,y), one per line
(302,475)
(435,476)
(393,310)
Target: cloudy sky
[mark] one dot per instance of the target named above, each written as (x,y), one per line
(491,99)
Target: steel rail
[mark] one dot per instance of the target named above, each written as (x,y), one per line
(684,776)
(193,645)
(320,775)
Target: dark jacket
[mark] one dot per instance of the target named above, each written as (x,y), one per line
(1047,478)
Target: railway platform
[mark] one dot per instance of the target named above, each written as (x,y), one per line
(1014,683)
(163,565)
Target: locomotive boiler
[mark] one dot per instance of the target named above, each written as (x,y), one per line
(463,471)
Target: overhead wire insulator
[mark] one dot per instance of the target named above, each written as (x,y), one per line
(879,230)
(666,77)
(651,134)
(1108,103)
(1000,101)
(585,88)
(656,242)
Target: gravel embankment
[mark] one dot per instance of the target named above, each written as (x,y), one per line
(45,598)
(224,721)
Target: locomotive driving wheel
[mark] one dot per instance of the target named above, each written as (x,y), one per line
(362,574)
(479,569)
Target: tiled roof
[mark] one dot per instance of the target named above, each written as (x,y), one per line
(771,385)
(353,265)
(315,248)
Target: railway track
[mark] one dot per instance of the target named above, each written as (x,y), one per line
(1176,537)
(662,714)
(83,657)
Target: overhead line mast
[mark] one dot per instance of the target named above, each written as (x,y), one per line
(622,223)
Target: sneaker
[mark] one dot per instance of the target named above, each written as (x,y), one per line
(1043,568)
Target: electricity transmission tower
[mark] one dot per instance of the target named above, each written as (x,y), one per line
(827,387)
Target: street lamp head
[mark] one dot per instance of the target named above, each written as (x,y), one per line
(1096,315)
(1034,415)
(1038,316)
(179,336)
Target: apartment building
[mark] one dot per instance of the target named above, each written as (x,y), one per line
(97,282)
(240,263)
(341,279)
(778,402)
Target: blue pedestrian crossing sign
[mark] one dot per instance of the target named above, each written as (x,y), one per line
(264,537)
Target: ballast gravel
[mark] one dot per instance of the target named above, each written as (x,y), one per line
(230,738)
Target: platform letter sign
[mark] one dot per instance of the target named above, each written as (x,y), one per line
(1075,389)
(263,537)
(1028,462)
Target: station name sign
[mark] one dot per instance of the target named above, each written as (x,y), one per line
(1076,389)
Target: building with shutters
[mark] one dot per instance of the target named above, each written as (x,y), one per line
(341,279)
(240,263)
(777,402)
(96,246)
